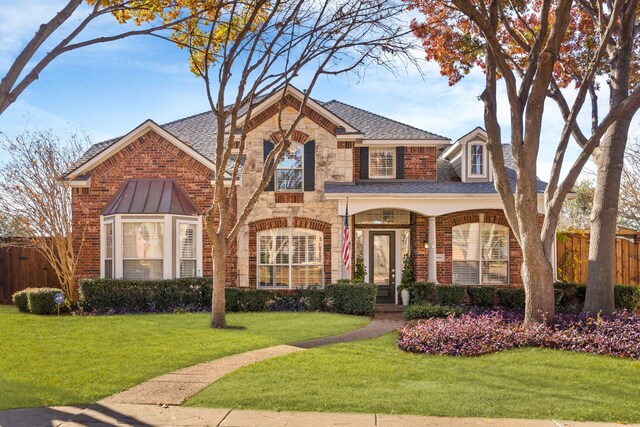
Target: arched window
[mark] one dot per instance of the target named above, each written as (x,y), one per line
(290,258)
(289,170)
(480,254)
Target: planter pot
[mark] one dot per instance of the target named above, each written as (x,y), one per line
(405,296)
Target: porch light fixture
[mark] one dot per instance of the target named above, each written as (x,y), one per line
(426,244)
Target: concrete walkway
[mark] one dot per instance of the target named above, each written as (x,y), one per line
(105,415)
(176,387)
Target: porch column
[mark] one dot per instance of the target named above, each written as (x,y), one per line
(432,275)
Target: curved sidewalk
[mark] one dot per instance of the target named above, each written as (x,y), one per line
(176,387)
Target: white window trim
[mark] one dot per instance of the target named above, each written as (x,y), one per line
(394,154)
(169,241)
(103,245)
(485,162)
(198,237)
(290,264)
(482,260)
(275,176)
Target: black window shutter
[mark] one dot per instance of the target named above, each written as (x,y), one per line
(310,166)
(399,162)
(268,148)
(364,162)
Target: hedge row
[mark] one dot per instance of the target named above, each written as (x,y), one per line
(569,296)
(111,296)
(38,301)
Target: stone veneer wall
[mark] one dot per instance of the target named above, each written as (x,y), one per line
(150,156)
(332,164)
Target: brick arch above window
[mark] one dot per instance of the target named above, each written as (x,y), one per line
(492,216)
(296,136)
(281,222)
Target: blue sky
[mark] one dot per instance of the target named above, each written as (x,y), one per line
(109,89)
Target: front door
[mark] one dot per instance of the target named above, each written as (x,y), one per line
(382,264)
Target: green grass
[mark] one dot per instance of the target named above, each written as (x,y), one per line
(374,376)
(50,360)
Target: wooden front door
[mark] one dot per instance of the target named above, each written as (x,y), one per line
(382,264)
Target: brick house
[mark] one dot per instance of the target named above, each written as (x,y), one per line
(140,198)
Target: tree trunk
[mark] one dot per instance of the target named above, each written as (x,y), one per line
(602,246)
(218,318)
(537,276)
(610,161)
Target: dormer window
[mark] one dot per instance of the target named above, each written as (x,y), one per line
(382,162)
(477,159)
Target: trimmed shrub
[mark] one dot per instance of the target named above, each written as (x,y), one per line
(313,298)
(449,294)
(627,297)
(101,296)
(21,300)
(572,295)
(481,296)
(255,299)
(427,311)
(41,301)
(357,299)
(420,292)
(511,298)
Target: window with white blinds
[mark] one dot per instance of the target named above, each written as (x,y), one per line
(108,253)
(186,250)
(290,258)
(382,162)
(151,247)
(142,250)
(480,254)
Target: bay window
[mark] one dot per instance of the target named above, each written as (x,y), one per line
(290,258)
(142,250)
(480,254)
(151,247)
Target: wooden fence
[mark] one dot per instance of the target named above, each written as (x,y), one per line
(573,258)
(22,268)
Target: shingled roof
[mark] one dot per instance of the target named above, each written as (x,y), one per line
(447,183)
(199,130)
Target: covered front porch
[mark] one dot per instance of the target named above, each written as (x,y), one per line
(462,240)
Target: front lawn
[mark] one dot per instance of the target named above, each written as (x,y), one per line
(50,360)
(374,376)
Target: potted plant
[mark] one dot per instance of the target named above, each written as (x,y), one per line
(405,295)
(408,279)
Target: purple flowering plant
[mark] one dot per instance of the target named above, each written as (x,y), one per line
(482,332)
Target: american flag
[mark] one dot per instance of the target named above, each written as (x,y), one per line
(346,240)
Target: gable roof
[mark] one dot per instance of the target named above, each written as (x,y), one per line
(97,153)
(198,131)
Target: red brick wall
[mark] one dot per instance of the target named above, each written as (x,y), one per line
(281,222)
(420,163)
(150,156)
(356,162)
(444,224)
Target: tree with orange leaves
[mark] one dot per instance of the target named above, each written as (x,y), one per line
(535,49)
